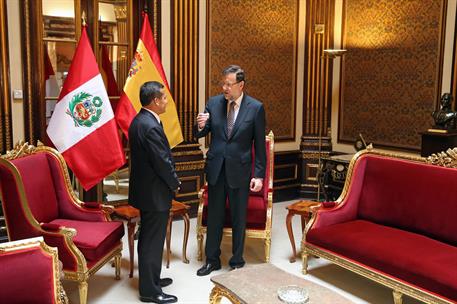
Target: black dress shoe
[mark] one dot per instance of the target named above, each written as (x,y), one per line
(160,298)
(233,267)
(207,269)
(165,282)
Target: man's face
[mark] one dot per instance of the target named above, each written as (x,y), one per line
(230,88)
(161,103)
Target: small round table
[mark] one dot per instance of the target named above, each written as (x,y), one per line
(132,216)
(302,208)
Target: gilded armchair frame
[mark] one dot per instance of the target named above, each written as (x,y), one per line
(83,272)
(60,296)
(399,288)
(264,234)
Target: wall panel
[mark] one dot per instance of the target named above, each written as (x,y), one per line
(392,70)
(265,46)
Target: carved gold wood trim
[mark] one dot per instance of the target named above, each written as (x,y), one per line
(190,166)
(445,159)
(218,292)
(397,285)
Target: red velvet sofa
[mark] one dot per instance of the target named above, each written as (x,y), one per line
(395,223)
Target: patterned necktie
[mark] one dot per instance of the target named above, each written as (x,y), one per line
(231,118)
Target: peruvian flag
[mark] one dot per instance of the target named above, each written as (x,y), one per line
(82,126)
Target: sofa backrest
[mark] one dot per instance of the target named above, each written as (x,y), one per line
(410,195)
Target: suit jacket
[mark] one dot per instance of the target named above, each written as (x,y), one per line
(152,172)
(235,151)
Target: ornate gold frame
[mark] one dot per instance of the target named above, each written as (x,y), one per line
(250,233)
(399,288)
(218,292)
(82,274)
(60,296)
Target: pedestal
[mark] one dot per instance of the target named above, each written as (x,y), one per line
(433,142)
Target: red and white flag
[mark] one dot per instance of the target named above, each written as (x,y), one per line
(82,126)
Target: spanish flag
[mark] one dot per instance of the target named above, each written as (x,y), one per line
(147,66)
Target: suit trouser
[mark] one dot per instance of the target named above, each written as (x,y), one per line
(150,251)
(238,199)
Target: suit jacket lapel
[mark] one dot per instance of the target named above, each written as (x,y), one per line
(241,114)
(224,115)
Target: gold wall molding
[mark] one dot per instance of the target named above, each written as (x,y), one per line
(265,46)
(392,70)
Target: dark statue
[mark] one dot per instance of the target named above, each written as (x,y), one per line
(445,117)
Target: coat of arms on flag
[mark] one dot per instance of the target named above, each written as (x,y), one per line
(84,110)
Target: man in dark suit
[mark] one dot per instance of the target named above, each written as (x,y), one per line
(236,122)
(152,182)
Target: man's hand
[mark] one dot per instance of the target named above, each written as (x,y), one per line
(201,119)
(256,184)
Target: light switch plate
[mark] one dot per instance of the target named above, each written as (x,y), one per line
(17,94)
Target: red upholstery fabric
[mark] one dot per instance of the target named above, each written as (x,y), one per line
(411,257)
(39,186)
(256,217)
(430,192)
(26,276)
(17,224)
(67,209)
(257,202)
(94,239)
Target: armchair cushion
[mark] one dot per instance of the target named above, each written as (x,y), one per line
(94,239)
(390,250)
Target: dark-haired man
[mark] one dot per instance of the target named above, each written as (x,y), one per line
(152,182)
(236,122)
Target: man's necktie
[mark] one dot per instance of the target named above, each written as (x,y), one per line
(231,118)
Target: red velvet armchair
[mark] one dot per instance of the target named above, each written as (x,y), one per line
(259,214)
(38,201)
(30,273)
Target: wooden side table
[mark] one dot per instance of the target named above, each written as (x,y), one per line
(132,216)
(302,208)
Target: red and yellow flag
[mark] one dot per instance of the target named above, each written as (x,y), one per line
(147,66)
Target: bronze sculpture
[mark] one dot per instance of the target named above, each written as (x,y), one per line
(444,117)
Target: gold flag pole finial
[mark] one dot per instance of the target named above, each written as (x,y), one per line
(83,17)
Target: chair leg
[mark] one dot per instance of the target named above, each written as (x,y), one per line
(200,246)
(398,297)
(267,249)
(117,265)
(82,292)
(304,258)
(168,239)
(186,236)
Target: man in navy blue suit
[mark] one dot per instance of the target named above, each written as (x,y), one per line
(236,122)
(152,182)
